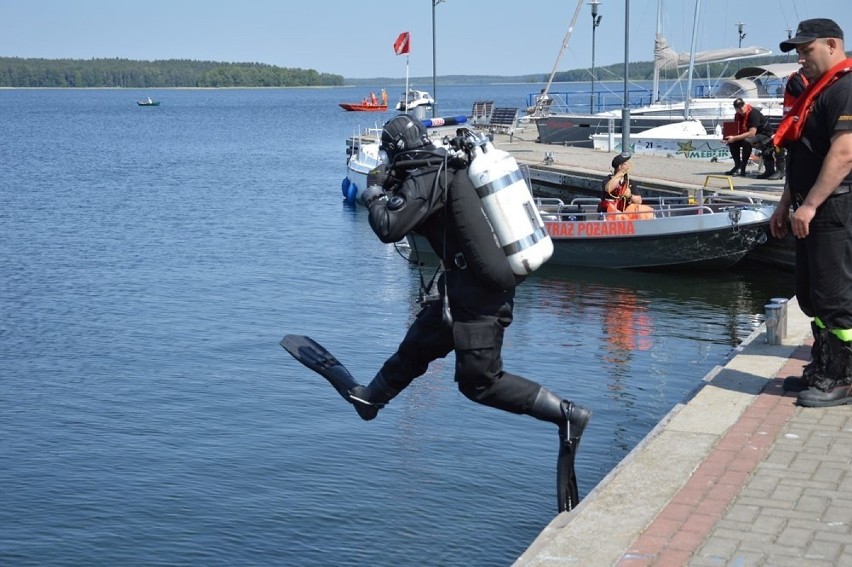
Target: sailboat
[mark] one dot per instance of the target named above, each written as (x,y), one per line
(760,86)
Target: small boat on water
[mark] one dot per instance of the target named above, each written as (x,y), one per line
(370,103)
(363,107)
(414,99)
(714,232)
(148,102)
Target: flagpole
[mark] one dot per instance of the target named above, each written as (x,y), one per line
(406,83)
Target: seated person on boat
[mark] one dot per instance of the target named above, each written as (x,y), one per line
(618,195)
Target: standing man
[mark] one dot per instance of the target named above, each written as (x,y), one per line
(752,130)
(817,133)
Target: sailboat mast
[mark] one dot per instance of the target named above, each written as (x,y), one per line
(564,45)
(691,60)
(658,38)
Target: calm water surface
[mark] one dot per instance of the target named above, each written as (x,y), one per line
(152,259)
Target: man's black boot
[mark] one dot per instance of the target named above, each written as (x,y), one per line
(835,388)
(816,368)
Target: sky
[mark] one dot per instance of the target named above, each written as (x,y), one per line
(354,38)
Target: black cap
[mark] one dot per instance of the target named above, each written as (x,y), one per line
(619,159)
(738,102)
(810,30)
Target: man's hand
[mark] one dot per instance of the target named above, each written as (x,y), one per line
(377,176)
(778,221)
(801,220)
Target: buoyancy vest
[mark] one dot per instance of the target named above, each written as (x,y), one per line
(481,253)
(616,200)
(791,126)
(741,121)
(796,85)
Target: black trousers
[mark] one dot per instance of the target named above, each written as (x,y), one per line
(741,152)
(476,336)
(824,265)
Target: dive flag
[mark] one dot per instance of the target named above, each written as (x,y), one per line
(402,45)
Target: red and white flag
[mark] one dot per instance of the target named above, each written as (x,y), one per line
(402,45)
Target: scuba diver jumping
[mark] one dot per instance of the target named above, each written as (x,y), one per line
(428,191)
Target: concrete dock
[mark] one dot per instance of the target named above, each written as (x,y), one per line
(735,475)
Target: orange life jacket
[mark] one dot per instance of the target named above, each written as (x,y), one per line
(796,84)
(741,120)
(791,126)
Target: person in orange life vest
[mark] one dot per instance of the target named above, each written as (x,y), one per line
(618,193)
(796,84)
(752,130)
(817,133)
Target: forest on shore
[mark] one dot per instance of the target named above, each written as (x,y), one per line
(18,72)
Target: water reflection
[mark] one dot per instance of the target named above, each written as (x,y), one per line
(629,344)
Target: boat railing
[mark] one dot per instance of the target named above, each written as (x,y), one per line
(585,208)
(582,101)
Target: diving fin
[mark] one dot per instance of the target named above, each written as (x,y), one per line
(317,358)
(567,493)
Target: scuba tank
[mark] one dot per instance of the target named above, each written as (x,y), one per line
(508,205)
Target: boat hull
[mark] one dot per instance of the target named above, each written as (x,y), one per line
(359,107)
(686,240)
(711,249)
(577,130)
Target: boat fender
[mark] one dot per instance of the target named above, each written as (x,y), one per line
(480,250)
(352,194)
(344,186)
(508,204)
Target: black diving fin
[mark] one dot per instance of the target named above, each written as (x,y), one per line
(317,358)
(567,494)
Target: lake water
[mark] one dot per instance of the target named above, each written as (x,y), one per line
(152,260)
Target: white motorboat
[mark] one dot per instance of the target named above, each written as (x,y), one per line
(687,139)
(414,99)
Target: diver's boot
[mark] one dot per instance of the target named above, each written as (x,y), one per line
(570,417)
(835,388)
(571,420)
(369,399)
(814,369)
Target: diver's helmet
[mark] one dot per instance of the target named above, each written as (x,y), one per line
(404,134)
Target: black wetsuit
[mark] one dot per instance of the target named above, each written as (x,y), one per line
(480,313)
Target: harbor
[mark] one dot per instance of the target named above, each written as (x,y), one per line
(151,411)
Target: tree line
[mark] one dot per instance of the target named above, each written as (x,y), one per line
(125,73)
